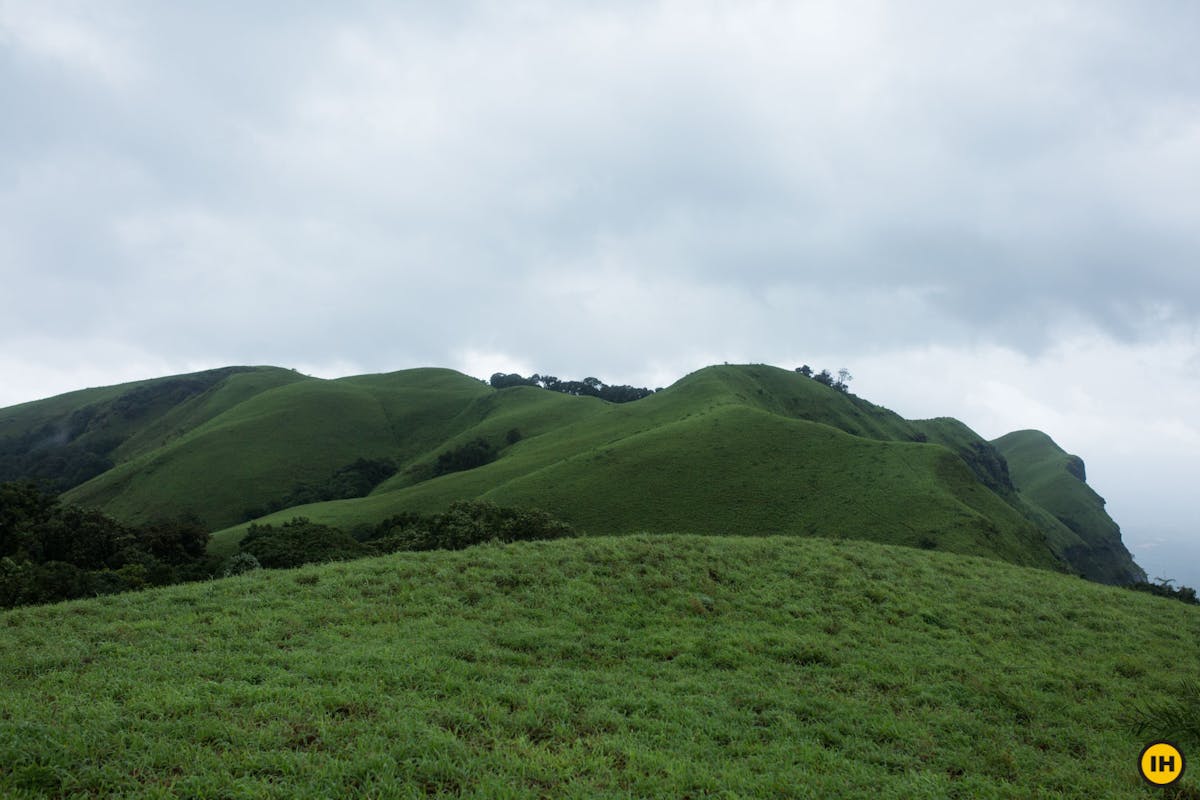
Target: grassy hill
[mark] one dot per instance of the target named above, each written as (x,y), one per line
(259,449)
(1053,480)
(725,450)
(662,665)
(732,470)
(65,440)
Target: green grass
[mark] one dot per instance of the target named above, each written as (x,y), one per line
(194,412)
(236,455)
(1051,480)
(164,408)
(664,666)
(16,420)
(728,450)
(261,448)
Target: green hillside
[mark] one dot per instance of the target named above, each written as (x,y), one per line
(233,390)
(668,666)
(65,440)
(728,471)
(725,450)
(1055,481)
(261,448)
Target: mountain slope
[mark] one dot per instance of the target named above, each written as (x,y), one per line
(1055,481)
(65,440)
(664,666)
(261,448)
(726,450)
(730,470)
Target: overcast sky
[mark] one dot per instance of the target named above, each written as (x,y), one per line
(992,214)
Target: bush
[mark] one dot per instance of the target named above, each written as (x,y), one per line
(54,581)
(239,564)
(299,542)
(175,542)
(466,523)
(1163,588)
(474,453)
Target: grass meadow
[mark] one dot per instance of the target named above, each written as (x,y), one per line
(629,666)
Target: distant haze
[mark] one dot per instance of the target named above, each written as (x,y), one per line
(990,213)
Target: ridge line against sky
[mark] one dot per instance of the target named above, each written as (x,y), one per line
(983,212)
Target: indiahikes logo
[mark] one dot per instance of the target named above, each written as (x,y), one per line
(1161,763)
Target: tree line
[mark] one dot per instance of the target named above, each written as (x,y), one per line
(1163,588)
(841,382)
(463,524)
(52,551)
(588,387)
(353,480)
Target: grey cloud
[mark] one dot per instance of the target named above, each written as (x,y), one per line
(975,164)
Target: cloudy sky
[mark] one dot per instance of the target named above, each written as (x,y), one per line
(989,213)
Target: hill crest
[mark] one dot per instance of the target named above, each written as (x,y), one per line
(725,450)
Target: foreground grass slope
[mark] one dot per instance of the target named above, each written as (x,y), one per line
(624,666)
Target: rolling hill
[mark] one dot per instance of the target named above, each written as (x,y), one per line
(726,450)
(637,666)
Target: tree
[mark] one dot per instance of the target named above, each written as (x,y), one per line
(175,541)
(588,387)
(824,377)
(623,393)
(805,370)
(22,510)
(500,380)
(842,384)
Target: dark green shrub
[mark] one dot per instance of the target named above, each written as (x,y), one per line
(240,563)
(1163,588)
(466,523)
(174,542)
(299,541)
(474,453)
(54,581)
(471,522)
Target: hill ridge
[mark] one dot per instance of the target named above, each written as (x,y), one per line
(589,461)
